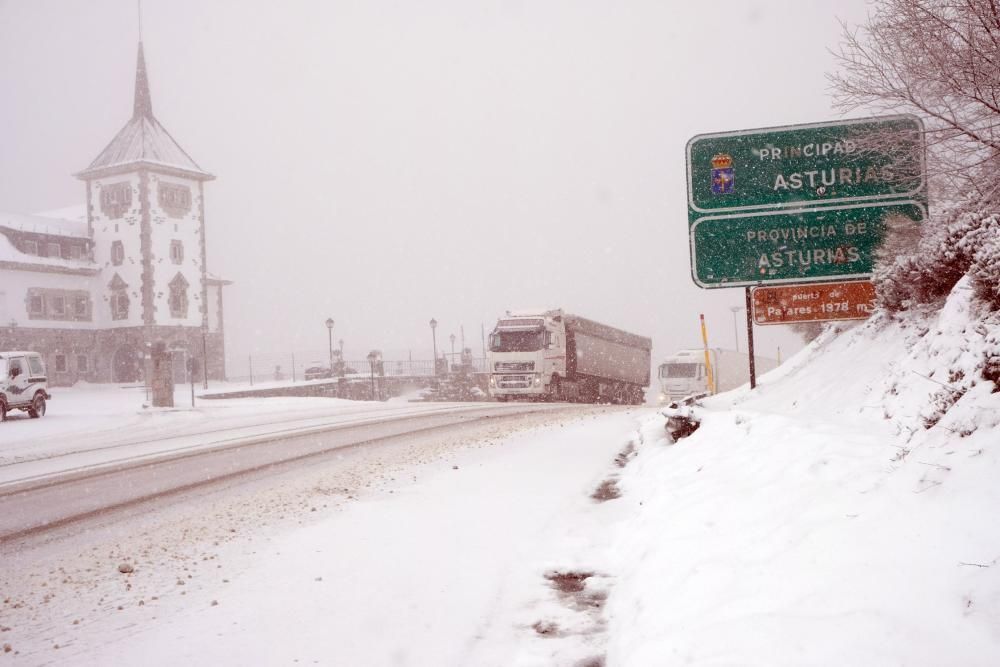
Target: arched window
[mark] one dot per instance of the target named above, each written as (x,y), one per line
(117,253)
(176,252)
(178,297)
(118,298)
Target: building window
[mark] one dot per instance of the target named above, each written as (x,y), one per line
(57,305)
(174,199)
(30,248)
(60,363)
(176,252)
(117,253)
(178,297)
(119,298)
(81,307)
(119,306)
(76,252)
(54,250)
(81,363)
(116,199)
(44,303)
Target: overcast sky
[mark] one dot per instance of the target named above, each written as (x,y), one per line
(382,163)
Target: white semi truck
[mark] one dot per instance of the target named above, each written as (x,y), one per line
(552,355)
(683,373)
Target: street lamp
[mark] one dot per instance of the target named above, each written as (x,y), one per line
(736,330)
(452,349)
(329,331)
(373,357)
(204,353)
(434,325)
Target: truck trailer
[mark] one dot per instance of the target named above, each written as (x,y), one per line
(552,355)
(683,373)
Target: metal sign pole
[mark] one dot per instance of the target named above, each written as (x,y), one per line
(753,366)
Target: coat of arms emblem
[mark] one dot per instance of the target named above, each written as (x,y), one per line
(723,178)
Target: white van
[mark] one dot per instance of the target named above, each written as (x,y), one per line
(23,385)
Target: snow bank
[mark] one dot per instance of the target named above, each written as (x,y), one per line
(840,514)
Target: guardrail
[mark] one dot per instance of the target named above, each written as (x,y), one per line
(277,367)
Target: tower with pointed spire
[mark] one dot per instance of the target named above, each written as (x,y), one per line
(146,217)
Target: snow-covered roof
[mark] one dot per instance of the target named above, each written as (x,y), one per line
(143,140)
(12,257)
(216,280)
(40,224)
(76,212)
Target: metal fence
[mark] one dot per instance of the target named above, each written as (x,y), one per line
(292,367)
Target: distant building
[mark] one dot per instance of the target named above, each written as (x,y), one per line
(92,289)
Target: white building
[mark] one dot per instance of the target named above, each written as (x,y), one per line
(92,290)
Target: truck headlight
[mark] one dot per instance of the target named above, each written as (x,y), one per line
(538,380)
(493,380)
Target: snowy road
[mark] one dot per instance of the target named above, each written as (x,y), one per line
(53,489)
(428,549)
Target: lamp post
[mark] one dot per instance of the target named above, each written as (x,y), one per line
(372,358)
(434,325)
(736,328)
(204,354)
(452,351)
(329,331)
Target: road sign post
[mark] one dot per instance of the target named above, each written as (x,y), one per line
(792,246)
(800,203)
(816,302)
(753,362)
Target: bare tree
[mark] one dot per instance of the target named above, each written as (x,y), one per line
(940,59)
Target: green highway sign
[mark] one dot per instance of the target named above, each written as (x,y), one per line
(792,246)
(820,164)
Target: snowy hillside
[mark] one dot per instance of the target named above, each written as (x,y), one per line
(843,513)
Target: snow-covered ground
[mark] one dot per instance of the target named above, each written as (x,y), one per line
(89,425)
(422,552)
(842,513)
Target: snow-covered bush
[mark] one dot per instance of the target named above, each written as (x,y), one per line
(928,272)
(984,245)
(937,59)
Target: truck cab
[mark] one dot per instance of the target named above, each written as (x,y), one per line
(683,374)
(527,350)
(23,384)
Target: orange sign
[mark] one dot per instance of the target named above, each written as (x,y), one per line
(815,302)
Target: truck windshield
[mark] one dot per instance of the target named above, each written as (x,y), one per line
(516,341)
(678,370)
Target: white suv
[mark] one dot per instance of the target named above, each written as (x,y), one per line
(23,385)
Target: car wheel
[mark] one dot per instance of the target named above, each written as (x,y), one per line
(37,408)
(3,411)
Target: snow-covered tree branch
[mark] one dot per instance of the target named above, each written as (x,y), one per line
(939,59)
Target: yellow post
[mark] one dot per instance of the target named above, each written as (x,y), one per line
(708,361)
